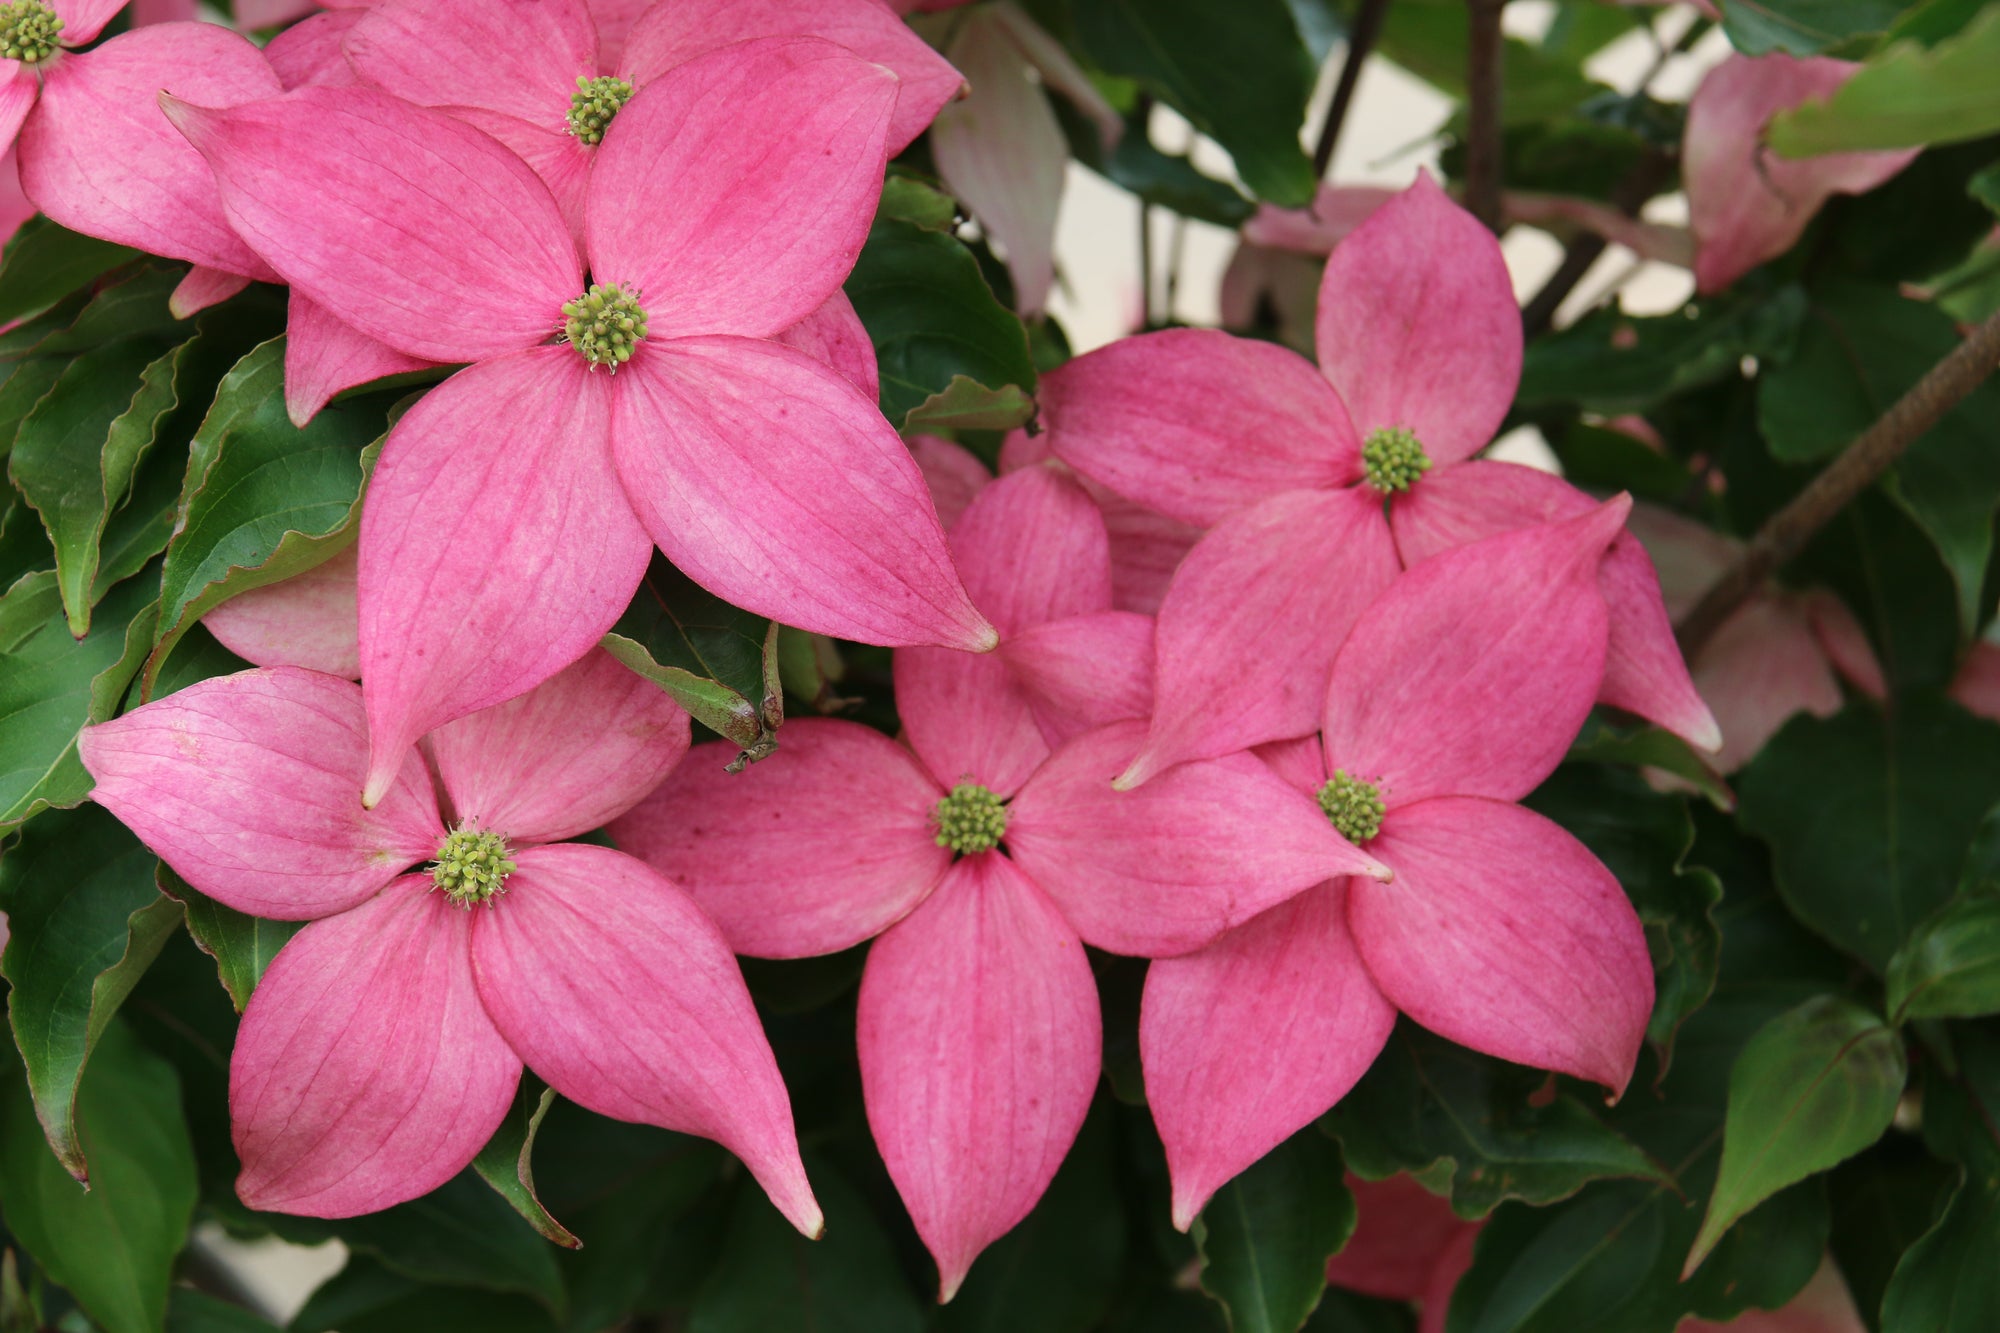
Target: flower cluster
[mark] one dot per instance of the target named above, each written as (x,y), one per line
(1243,665)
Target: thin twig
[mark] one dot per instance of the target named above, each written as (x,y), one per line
(1144,118)
(1361,37)
(1788,530)
(1484,145)
(1628,196)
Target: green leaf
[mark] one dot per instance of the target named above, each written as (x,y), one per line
(1860,349)
(1883,1201)
(368,1297)
(76,453)
(1654,748)
(933,318)
(771,1277)
(45,262)
(966,404)
(1985,187)
(1905,96)
(1813,1087)
(1868,814)
(1426,1101)
(718,661)
(1950,968)
(1644,837)
(1056,1272)
(241,945)
(505,1162)
(51,685)
(190,1311)
(1948,1282)
(1611,362)
(1240,73)
(264,500)
(114,1245)
(86,923)
(24,386)
(1266,1236)
(919,203)
(1430,39)
(131,303)
(1805,27)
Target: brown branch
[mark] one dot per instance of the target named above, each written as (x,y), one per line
(1628,196)
(1484,145)
(1360,41)
(1788,530)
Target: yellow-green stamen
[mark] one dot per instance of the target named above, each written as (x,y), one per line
(1353,806)
(1392,459)
(604,324)
(28,31)
(971,819)
(472,866)
(595,103)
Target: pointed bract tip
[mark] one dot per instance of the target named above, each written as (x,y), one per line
(949,1283)
(1380,872)
(377,787)
(191,120)
(986,638)
(1704,733)
(1187,1207)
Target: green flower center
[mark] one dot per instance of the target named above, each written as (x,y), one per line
(604,324)
(28,31)
(472,866)
(1392,460)
(595,103)
(971,819)
(1353,806)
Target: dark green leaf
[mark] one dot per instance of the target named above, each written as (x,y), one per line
(51,685)
(1426,1101)
(506,1163)
(1643,837)
(1950,968)
(1985,187)
(933,318)
(241,945)
(86,923)
(1812,1088)
(190,1311)
(966,404)
(1961,1107)
(1612,362)
(1860,349)
(113,1245)
(1266,1236)
(264,500)
(1240,73)
(131,303)
(1868,814)
(919,203)
(77,452)
(718,661)
(25,384)
(1598,458)
(771,1277)
(366,1297)
(1057,1271)
(1654,748)
(1883,1201)
(45,262)
(1805,27)
(1429,38)
(1948,1282)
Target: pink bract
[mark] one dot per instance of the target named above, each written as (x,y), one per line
(383,1045)
(513,504)
(1457,692)
(1362,466)
(979,1033)
(1745,202)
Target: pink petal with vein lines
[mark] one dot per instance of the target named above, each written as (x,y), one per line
(1085,671)
(616,989)
(103,106)
(570,755)
(520,58)
(734,192)
(1254,1037)
(324,357)
(366,1071)
(84,19)
(247,786)
(824,844)
(308,620)
(968,717)
(308,53)
(835,336)
(772,483)
(413,227)
(496,546)
(980,1040)
(1417,325)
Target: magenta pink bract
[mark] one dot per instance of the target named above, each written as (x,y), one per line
(979,1032)
(382,1047)
(1418,333)
(1457,692)
(507,523)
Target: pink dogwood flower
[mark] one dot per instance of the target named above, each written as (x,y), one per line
(1976,686)
(1408,1245)
(985,859)
(1318,486)
(308,620)
(76,111)
(383,1046)
(1746,203)
(1781,653)
(513,505)
(1458,691)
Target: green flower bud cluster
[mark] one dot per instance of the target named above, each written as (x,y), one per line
(596,101)
(604,324)
(971,819)
(472,866)
(1392,460)
(1353,806)
(28,31)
